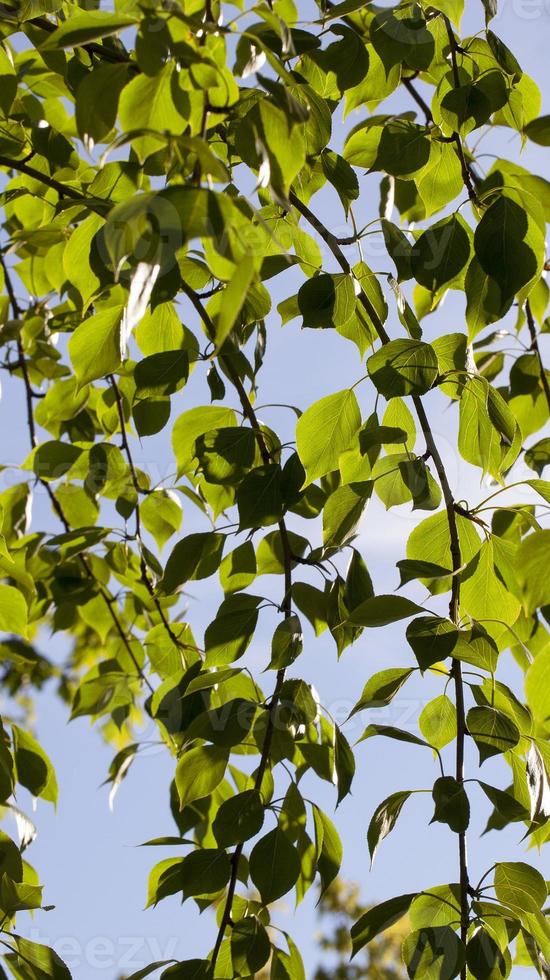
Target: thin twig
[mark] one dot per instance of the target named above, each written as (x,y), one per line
(535,347)
(413,92)
(135,482)
(286,607)
(64,190)
(107,598)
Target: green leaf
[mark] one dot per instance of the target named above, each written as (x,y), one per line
(399,248)
(229,634)
(199,771)
(40,958)
(442,253)
(403,367)
(488,432)
(537,685)
(451,804)
(434,953)
(384,819)
(233,298)
(238,569)
(484,958)
(259,497)
(437,721)
(161,514)
(538,130)
(520,886)
(239,818)
(509,245)
(81,28)
(286,644)
(194,423)
(342,513)
(287,966)
(381,688)
(327,300)
(188,970)
(202,872)
(325,431)
(162,373)
(329,848)
(339,173)
(381,610)
(225,455)
(33,767)
(344,764)
(196,556)
(411,569)
(532,570)
(492,731)
(97,101)
(250,945)
(13,611)
(504,803)
(378,919)
(404,148)
(151,104)
(95,346)
(436,906)
(274,866)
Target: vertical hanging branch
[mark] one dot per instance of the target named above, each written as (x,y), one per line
(146,579)
(466,174)
(450,505)
(456,670)
(535,347)
(286,608)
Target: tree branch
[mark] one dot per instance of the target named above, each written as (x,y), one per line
(64,190)
(103,592)
(286,607)
(135,483)
(466,175)
(535,347)
(454,543)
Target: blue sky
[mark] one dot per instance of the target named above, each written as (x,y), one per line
(95,875)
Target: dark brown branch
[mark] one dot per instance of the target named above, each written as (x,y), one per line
(535,347)
(466,175)
(456,557)
(334,246)
(64,190)
(286,607)
(135,482)
(413,92)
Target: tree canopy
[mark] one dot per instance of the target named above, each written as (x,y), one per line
(180,179)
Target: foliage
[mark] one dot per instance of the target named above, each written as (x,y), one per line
(381,960)
(160,168)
